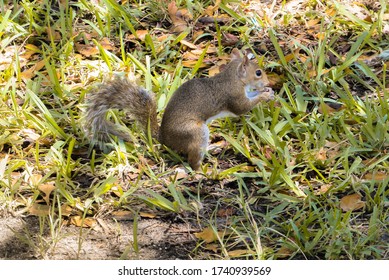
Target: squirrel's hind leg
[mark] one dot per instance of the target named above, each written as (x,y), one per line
(198,145)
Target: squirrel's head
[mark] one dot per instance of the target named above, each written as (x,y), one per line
(252,76)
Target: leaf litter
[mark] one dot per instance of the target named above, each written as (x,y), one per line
(296,35)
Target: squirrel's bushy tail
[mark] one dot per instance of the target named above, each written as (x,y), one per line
(123,95)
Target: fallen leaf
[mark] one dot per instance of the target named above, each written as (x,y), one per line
(35,179)
(330,12)
(212,247)
(216,148)
(321,154)
(39,209)
(267,151)
(123,215)
(275,81)
(66,210)
(147,215)
(284,252)
(214,70)
(107,44)
(139,34)
(179,173)
(210,10)
(377,176)
(192,63)
(29,135)
(240,253)
(31,72)
(229,39)
(188,44)
(323,189)
(208,235)
(369,161)
(326,108)
(80,222)
(47,189)
(86,50)
(321,35)
(351,202)
(227,212)
(32,48)
(177,17)
(313,23)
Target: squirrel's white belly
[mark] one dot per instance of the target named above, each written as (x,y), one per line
(220,115)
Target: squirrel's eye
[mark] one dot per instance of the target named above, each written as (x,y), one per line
(258,73)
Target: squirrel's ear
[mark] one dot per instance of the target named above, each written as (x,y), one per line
(242,72)
(235,54)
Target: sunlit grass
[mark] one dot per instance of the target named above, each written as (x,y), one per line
(272,192)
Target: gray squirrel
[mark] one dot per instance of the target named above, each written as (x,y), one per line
(233,92)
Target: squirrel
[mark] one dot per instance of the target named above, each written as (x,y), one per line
(232,92)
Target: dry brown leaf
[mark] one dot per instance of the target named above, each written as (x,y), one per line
(212,247)
(240,253)
(30,73)
(86,50)
(66,210)
(29,134)
(378,176)
(211,9)
(369,161)
(15,177)
(208,235)
(80,222)
(177,17)
(284,252)
(47,189)
(35,179)
(289,57)
(107,44)
(267,151)
(325,108)
(39,209)
(312,73)
(140,34)
(30,50)
(275,81)
(147,215)
(321,154)
(214,70)
(313,23)
(123,215)
(192,63)
(188,44)
(351,202)
(197,52)
(216,148)
(227,212)
(229,39)
(331,12)
(323,189)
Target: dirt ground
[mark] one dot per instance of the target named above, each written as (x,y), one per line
(20,239)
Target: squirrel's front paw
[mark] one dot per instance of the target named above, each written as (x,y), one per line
(267,94)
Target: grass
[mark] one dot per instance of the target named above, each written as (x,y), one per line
(273,192)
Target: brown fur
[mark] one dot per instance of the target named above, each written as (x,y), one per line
(192,106)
